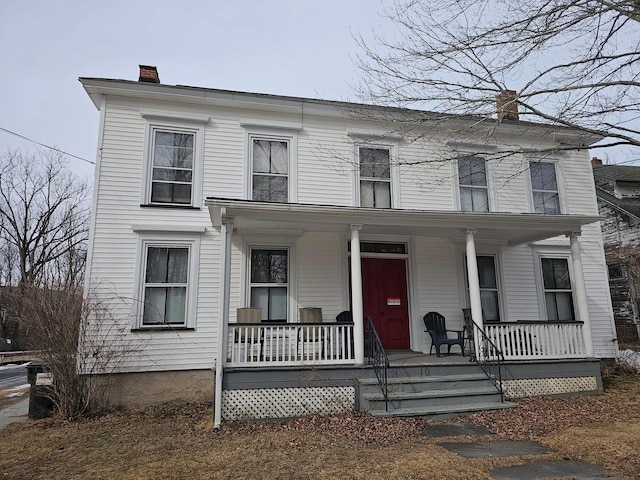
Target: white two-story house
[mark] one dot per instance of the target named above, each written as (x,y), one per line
(231,229)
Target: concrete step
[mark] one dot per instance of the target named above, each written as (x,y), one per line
(418,383)
(432,398)
(443,411)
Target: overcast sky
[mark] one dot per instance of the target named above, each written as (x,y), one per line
(287,47)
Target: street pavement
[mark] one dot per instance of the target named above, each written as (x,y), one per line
(14,400)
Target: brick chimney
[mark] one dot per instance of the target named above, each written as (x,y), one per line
(596,161)
(507,103)
(148,74)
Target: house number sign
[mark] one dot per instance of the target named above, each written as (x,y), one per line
(393,302)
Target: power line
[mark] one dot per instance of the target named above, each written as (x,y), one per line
(47,146)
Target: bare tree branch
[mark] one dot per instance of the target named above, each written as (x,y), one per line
(43,218)
(574,63)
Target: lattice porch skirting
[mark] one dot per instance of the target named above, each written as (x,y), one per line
(531,387)
(286,402)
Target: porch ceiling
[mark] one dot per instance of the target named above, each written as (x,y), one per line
(505,228)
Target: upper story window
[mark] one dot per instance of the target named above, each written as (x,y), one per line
(173,160)
(270,169)
(544,187)
(557,289)
(375,177)
(472,181)
(172,167)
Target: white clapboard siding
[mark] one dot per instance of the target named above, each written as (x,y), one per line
(325,175)
(519,284)
(598,296)
(325,164)
(319,273)
(437,283)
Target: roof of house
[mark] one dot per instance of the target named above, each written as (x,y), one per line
(617,172)
(625,173)
(96,86)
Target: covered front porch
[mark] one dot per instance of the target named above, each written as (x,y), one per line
(329,343)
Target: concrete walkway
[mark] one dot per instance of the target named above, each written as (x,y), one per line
(16,412)
(533,469)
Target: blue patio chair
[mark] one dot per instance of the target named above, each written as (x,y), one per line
(436,327)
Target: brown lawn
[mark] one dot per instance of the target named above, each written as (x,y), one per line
(178,442)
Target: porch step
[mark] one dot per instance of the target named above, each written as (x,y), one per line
(421,383)
(447,411)
(410,393)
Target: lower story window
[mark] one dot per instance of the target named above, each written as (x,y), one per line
(488,288)
(269,273)
(557,289)
(165,285)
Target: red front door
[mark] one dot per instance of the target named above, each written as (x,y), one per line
(384,292)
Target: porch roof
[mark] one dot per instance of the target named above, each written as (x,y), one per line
(504,228)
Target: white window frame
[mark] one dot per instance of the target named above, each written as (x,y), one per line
(488,165)
(553,254)
(278,134)
(167,241)
(184,126)
(394,181)
(530,191)
(464,289)
(279,241)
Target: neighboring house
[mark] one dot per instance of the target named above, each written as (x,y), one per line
(618,195)
(230,229)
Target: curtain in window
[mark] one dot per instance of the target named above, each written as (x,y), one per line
(474,199)
(270,156)
(375,194)
(165,304)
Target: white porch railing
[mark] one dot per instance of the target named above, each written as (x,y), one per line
(538,340)
(263,344)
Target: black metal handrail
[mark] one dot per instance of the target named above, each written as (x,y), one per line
(378,359)
(490,358)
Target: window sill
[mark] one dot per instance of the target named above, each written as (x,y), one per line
(168,205)
(167,328)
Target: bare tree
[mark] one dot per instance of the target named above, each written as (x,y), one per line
(44,213)
(572,63)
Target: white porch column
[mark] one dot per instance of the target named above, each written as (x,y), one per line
(357,309)
(226,232)
(581,292)
(474,284)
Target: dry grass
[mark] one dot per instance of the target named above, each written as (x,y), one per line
(178,441)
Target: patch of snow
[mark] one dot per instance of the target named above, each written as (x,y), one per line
(629,358)
(14,365)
